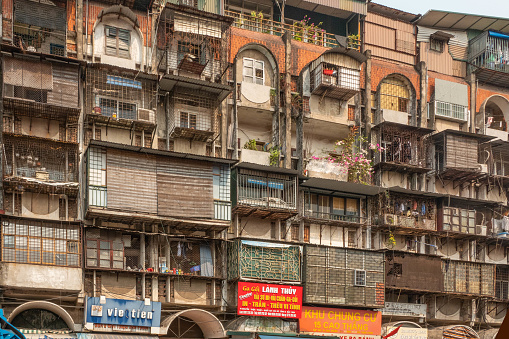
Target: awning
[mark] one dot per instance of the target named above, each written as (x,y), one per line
(341,186)
(114,336)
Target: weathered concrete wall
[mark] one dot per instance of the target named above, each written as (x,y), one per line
(40,277)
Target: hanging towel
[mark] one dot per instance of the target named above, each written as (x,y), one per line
(423,209)
(207,268)
(179,249)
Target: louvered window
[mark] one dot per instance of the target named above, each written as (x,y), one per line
(117,42)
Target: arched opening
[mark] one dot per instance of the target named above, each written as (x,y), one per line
(39,319)
(42,316)
(394,94)
(496,113)
(194,323)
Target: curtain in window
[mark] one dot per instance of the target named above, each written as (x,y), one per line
(207,267)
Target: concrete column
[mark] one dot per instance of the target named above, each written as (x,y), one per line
(301,231)
(79,29)
(142,250)
(278,230)
(367,93)
(473,101)
(421,120)
(155,288)
(287,145)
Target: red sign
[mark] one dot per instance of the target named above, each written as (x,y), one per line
(269,300)
(341,322)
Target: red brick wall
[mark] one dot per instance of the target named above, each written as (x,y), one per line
(483,94)
(302,53)
(380,69)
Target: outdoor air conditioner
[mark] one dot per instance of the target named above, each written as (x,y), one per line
(146,115)
(483,168)
(390,219)
(480,230)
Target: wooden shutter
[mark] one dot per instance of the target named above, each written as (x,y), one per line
(124,38)
(111,41)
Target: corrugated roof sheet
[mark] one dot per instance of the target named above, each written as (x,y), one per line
(462,21)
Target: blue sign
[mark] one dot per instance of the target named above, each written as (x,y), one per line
(123,312)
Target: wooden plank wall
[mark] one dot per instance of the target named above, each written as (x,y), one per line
(456,157)
(131,181)
(184,188)
(65,86)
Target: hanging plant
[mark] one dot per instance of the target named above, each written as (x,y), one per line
(391,241)
(274,156)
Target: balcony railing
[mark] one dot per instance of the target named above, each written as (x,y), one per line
(314,36)
(488,51)
(222,210)
(39,40)
(334,217)
(277,191)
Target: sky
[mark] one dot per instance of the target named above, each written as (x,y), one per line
(497,8)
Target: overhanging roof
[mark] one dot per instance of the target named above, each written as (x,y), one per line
(169,81)
(159,152)
(264,168)
(392,12)
(463,21)
(480,137)
(398,189)
(352,53)
(341,186)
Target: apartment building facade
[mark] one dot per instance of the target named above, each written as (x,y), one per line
(231,169)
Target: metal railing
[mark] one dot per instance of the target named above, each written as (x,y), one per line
(312,35)
(222,210)
(39,40)
(489,52)
(334,216)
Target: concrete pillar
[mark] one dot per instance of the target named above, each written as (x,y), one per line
(421,120)
(301,231)
(287,145)
(155,288)
(79,29)
(367,93)
(142,250)
(473,101)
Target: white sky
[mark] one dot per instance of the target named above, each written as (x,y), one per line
(497,8)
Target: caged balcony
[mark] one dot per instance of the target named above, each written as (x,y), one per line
(121,99)
(334,81)
(489,55)
(262,194)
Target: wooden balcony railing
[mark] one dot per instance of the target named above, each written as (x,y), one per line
(315,36)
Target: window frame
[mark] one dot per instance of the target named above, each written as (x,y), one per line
(117,44)
(118,102)
(188,120)
(253,75)
(436,45)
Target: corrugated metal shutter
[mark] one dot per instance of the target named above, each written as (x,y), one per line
(452,92)
(39,14)
(184,188)
(65,87)
(131,180)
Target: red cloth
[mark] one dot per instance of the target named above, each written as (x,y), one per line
(328,71)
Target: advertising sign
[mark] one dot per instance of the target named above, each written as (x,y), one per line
(345,324)
(122,315)
(405,309)
(269,300)
(408,333)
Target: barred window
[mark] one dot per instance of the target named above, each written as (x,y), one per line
(394,95)
(28,241)
(97,177)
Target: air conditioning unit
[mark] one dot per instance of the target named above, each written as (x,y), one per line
(390,219)
(483,168)
(146,115)
(481,230)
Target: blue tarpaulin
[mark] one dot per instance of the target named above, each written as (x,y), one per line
(272,184)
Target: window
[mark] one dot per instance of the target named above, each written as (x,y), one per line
(449,110)
(351,112)
(97,177)
(117,42)
(394,95)
(436,45)
(295,232)
(360,278)
(307,233)
(502,283)
(27,241)
(187,120)
(396,269)
(192,51)
(117,109)
(105,253)
(253,71)
(332,208)
(221,192)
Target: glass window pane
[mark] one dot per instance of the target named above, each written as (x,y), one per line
(352,207)
(9,241)
(105,245)
(35,256)
(21,256)
(60,245)
(34,243)
(22,243)
(48,257)
(338,205)
(35,231)
(72,260)
(21,229)
(8,254)
(48,244)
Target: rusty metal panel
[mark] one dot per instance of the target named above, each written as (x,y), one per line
(412,271)
(39,14)
(131,181)
(184,188)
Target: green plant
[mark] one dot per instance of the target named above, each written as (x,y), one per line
(391,241)
(250,144)
(353,41)
(274,156)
